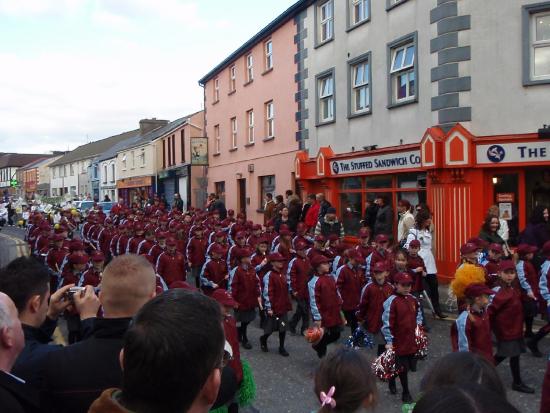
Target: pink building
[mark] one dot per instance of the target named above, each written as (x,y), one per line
(250,110)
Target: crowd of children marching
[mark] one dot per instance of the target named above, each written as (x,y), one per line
(372,285)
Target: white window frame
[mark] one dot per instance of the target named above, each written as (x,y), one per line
(124,162)
(142,158)
(363,84)
(234,131)
(268,51)
(400,68)
(133,155)
(216,90)
(232,79)
(537,44)
(356,5)
(326,97)
(217,138)
(249,67)
(71,169)
(270,119)
(326,23)
(250,119)
(105,176)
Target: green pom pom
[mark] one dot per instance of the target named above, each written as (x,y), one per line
(247,391)
(222,409)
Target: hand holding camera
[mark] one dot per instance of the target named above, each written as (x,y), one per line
(86,302)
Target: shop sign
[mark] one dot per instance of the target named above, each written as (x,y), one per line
(199,151)
(504,153)
(377,163)
(505,197)
(134,182)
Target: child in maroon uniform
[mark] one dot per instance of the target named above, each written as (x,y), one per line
(506,315)
(299,271)
(349,282)
(92,276)
(417,269)
(214,272)
(325,304)
(492,263)
(401,316)
(364,247)
(276,303)
(371,305)
(529,280)
(244,286)
(472,329)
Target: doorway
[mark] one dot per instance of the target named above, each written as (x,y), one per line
(507,197)
(241,194)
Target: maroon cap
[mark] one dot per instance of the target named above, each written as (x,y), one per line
(243,252)
(224,298)
(480,243)
(240,235)
(76,245)
(496,248)
(60,228)
(507,265)
(220,234)
(77,258)
(275,257)
(381,238)
(230,212)
(364,233)
(524,249)
(45,226)
(380,266)
(171,242)
(468,248)
(414,244)
(333,237)
(198,228)
(98,256)
(546,249)
(138,226)
(182,284)
(402,278)
(301,226)
(256,227)
(355,255)
(300,245)
(263,240)
(57,237)
(217,249)
(318,260)
(162,235)
(320,238)
(476,290)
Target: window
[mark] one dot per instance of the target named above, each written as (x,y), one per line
(124,162)
(269,120)
(360,95)
(536,20)
(113,172)
(359,11)
(232,79)
(216,90)
(173,139)
(325,27)
(267,185)
(233,133)
(249,68)
(217,137)
(71,169)
(53,173)
(105,174)
(325,97)
(182,145)
(133,156)
(64,170)
(390,4)
(142,158)
(219,188)
(403,70)
(250,118)
(268,48)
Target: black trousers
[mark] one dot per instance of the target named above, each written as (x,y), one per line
(302,313)
(331,335)
(351,319)
(432,288)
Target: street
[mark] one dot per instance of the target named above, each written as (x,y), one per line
(12,244)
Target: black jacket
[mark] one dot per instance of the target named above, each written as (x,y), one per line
(325,205)
(384,221)
(16,396)
(74,376)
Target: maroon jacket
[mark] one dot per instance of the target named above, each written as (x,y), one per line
(491,272)
(532,277)
(91,277)
(324,301)
(260,269)
(299,271)
(412,264)
(69,276)
(122,244)
(214,272)
(232,260)
(364,251)
(400,318)
(55,258)
(133,244)
(275,293)
(232,337)
(155,252)
(472,332)
(104,241)
(41,243)
(196,251)
(144,247)
(371,305)
(113,244)
(244,286)
(506,313)
(349,283)
(171,267)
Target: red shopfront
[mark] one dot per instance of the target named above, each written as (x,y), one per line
(458,174)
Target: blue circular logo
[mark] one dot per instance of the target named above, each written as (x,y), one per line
(496,153)
(335,168)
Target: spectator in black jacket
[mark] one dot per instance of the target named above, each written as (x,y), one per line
(309,202)
(74,376)
(384,217)
(371,210)
(325,205)
(27,282)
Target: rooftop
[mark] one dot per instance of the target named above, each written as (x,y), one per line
(20,159)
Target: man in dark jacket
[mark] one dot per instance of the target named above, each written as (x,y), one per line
(325,205)
(178,202)
(74,376)
(371,210)
(384,218)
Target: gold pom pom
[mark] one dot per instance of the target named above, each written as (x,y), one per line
(467,274)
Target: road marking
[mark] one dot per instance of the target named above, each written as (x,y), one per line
(21,247)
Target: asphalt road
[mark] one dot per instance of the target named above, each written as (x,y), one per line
(286,384)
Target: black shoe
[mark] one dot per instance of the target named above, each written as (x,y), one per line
(283,352)
(441,315)
(407,398)
(522,388)
(263,344)
(532,345)
(247,345)
(393,387)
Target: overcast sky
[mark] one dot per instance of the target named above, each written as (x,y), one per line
(73,71)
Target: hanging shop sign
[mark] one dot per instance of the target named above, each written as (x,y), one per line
(521,152)
(199,151)
(377,163)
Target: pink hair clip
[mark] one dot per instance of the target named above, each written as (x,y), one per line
(326,398)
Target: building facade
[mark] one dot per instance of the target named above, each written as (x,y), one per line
(250,117)
(387,82)
(10,163)
(34,178)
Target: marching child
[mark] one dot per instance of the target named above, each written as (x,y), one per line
(364,247)
(545,301)
(492,263)
(92,276)
(417,268)
(349,282)
(529,281)
(401,316)
(214,272)
(261,265)
(299,271)
(506,315)
(380,253)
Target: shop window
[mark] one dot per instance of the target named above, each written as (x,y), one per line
(374,182)
(411,181)
(352,183)
(351,206)
(267,185)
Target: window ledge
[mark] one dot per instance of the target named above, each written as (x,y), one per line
(232,92)
(233,149)
(216,101)
(269,138)
(403,103)
(267,71)
(328,122)
(535,82)
(359,114)
(216,154)
(249,82)
(393,6)
(248,145)
(356,25)
(317,45)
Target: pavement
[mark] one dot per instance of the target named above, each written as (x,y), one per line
(285,384)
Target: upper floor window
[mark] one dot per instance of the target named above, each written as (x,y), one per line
(124,165)
(403,70)
(133,154)
(71,169)
(216,90)
(325,23)
(360,92)
(142,157)
(390,4)
(104,174)
(359,11)
(325,97)
(233,133)
(268,48)
(250,118)
(217,138)
(540,46)
(232,79)
(269,119)
(249,68)
(113,172)
(53,173)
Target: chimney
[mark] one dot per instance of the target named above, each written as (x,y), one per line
(148,125)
